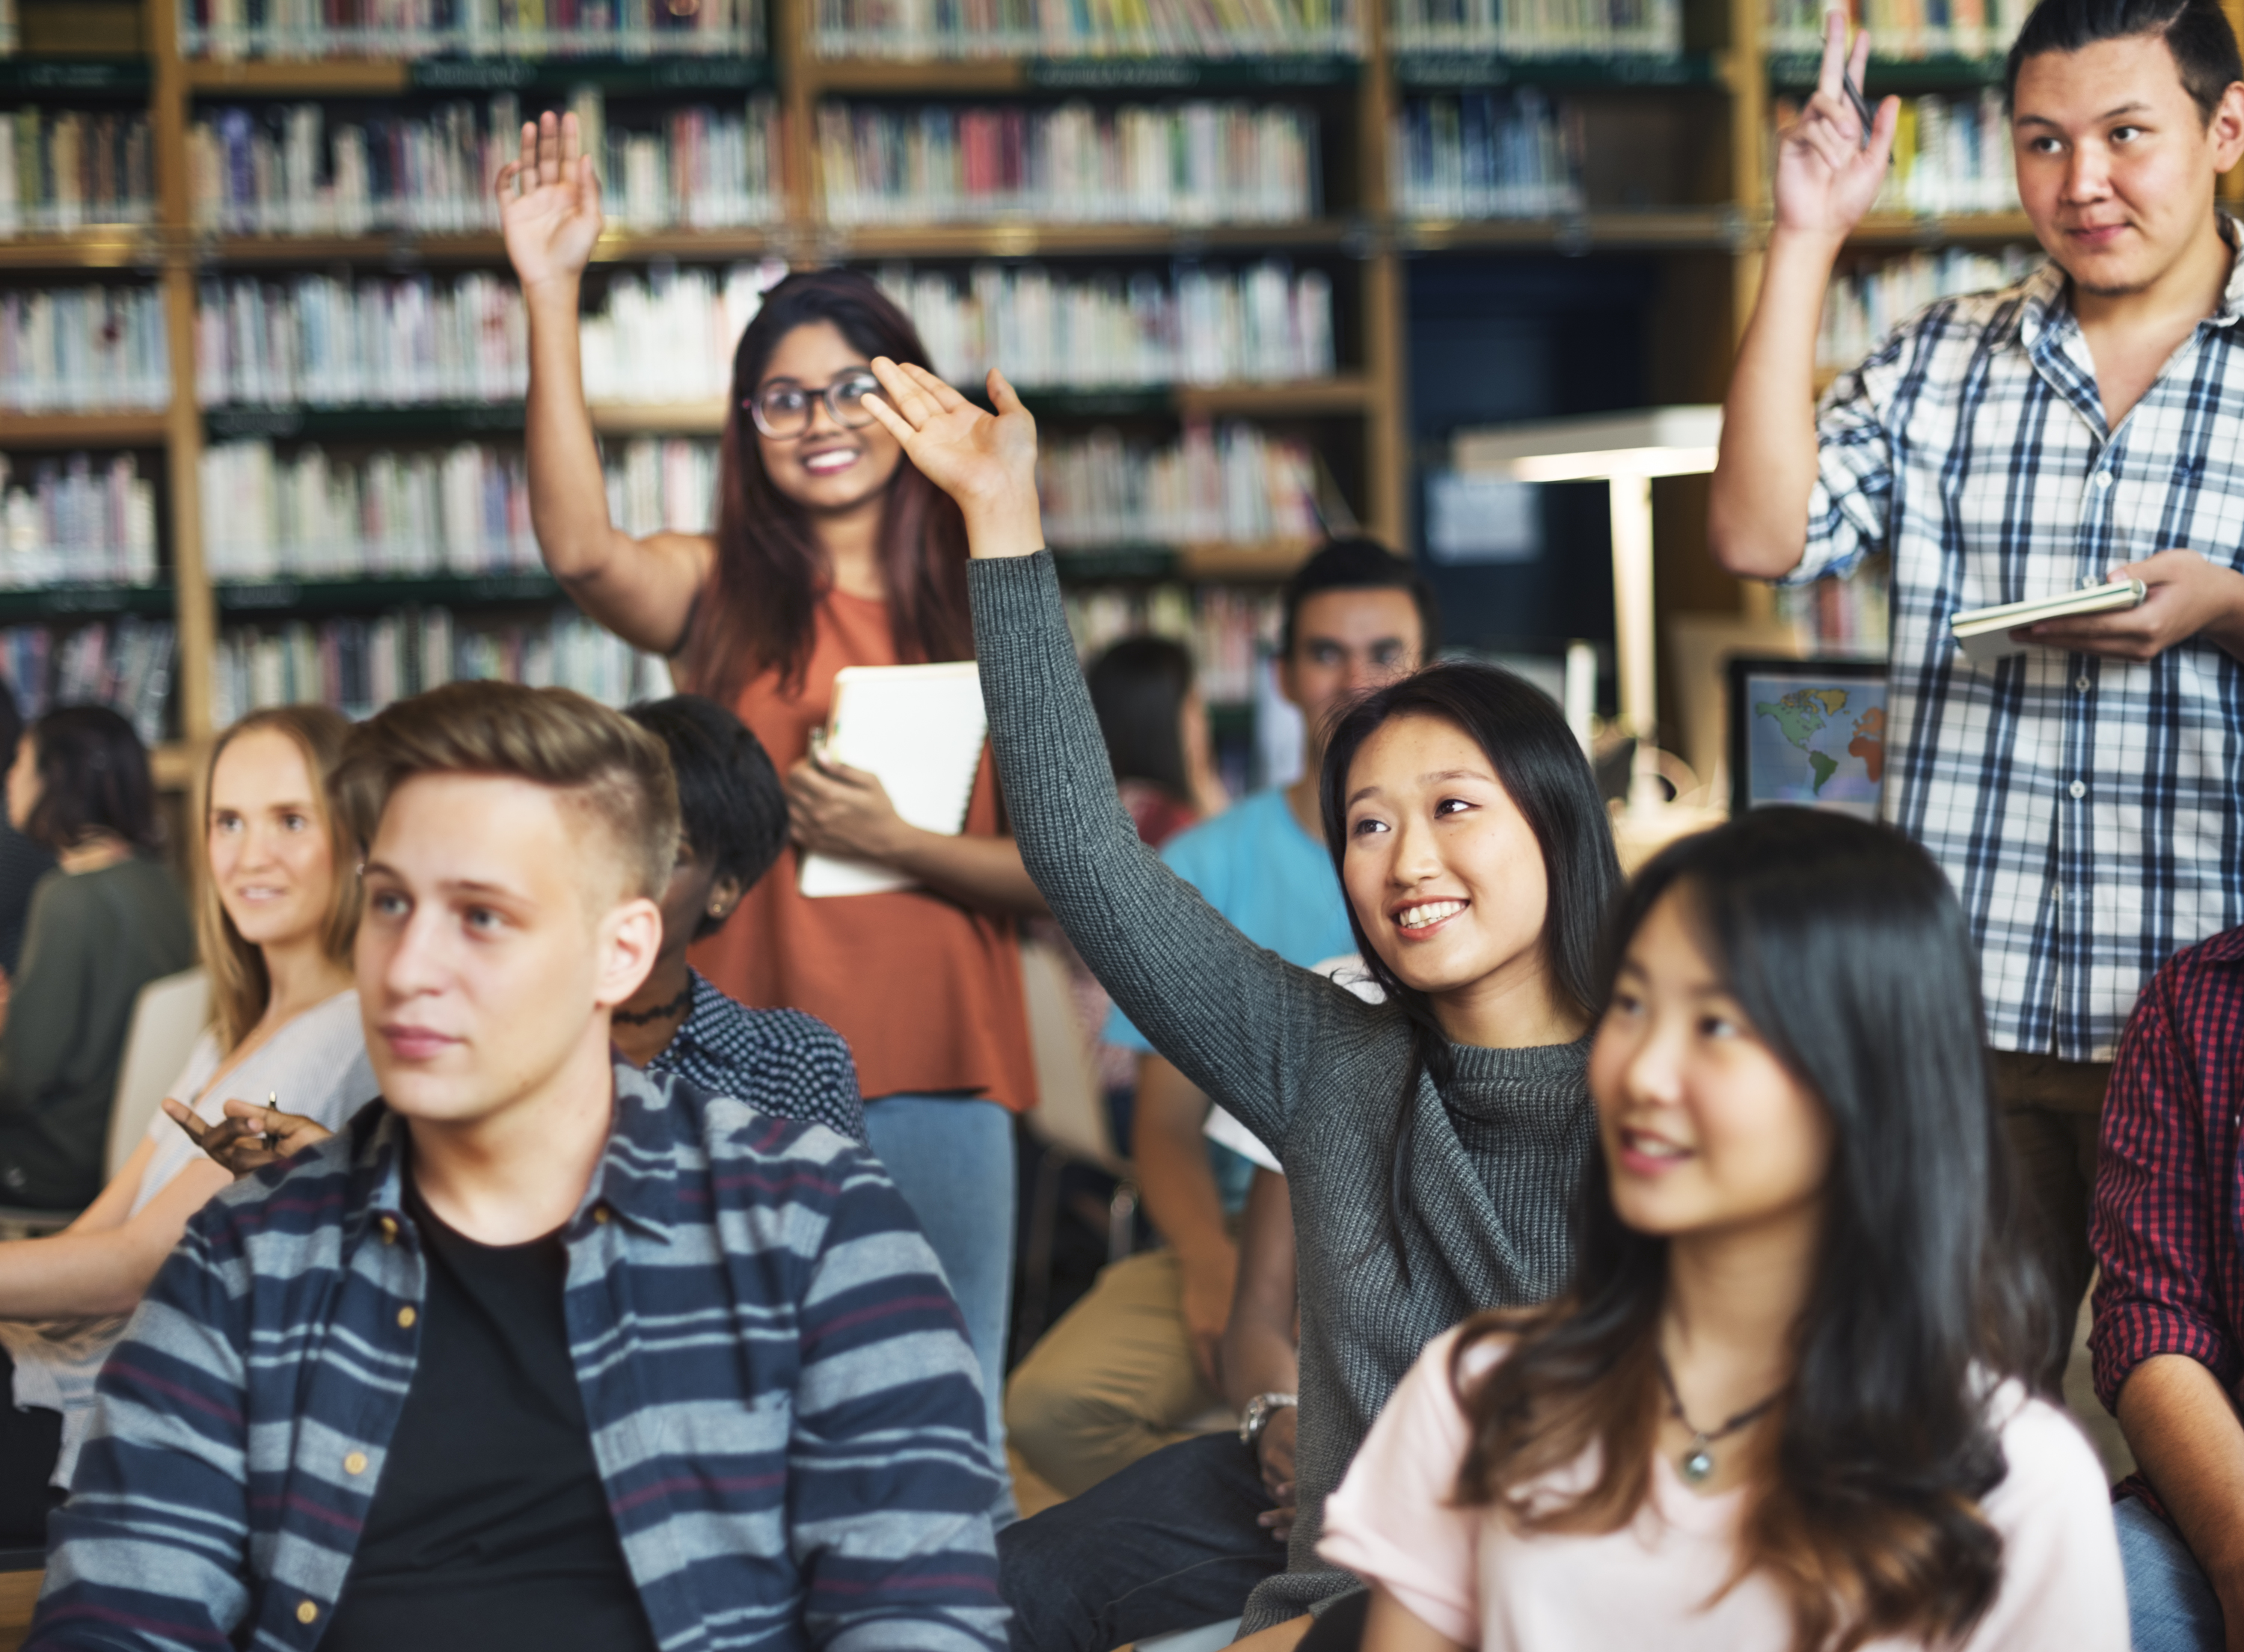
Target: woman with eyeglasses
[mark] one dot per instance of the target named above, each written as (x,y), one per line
(831,549)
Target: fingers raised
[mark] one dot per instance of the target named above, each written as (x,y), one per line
(903,394)
(942,396)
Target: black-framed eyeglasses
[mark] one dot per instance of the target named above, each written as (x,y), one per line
(783,410)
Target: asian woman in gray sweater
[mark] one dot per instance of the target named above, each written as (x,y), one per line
(1432,1143)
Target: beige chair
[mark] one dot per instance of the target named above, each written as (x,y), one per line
(167,1017)
(1070,1120)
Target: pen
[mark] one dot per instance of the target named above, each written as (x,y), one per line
(1862,109)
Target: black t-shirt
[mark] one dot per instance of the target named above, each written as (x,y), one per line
(489,1527)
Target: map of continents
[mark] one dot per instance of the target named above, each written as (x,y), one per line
(1836,752)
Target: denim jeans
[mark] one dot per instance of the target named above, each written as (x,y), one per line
(1168,1543)
(951,1156)
(2170,1606)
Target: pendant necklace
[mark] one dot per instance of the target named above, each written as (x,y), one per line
(1698,1462)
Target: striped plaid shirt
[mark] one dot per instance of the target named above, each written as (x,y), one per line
(2086,809)
(786,1415)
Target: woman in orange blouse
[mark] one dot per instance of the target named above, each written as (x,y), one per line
(830,550)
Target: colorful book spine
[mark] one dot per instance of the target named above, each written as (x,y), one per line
(1230,484)
(1903,29)
(126,663)
(84,349)
(1227,629)
(1198,162)
(953,29)
(1481,155)
(1863,306)
(64,169)
(66,519)
(1538,28)
(320,340)
(318,29)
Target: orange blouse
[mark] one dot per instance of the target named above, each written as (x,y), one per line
(927,993)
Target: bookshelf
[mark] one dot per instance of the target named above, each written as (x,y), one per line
(1323,155)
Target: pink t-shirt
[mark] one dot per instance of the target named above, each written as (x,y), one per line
(1476,1581)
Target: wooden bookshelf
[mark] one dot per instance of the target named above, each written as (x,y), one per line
(1717,226)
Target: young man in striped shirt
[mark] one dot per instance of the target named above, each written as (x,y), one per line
(543,1350)
(2085,795)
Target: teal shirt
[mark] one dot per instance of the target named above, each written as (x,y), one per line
(1275,884)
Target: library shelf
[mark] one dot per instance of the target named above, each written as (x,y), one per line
(406,248)
(1022,238)
(392,78)
(95,247)
(1351,394)
(1208,560)
(1417,70)
(1718,229)
(251,598)
(127,427)
(1896,231)
(966,77)
(233,421)
(74,76)
(65,602)
(1797,72)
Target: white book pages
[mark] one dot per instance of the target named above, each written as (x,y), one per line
(920,729)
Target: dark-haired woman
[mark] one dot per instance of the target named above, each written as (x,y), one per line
(105,923)
(829,551)
(1784,1404)
(1431,1143)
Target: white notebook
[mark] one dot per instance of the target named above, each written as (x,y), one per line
(920,728)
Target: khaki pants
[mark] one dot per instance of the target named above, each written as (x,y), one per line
(2051,1110)
(1113,1382)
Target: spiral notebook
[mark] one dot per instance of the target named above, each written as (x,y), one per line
(920,728)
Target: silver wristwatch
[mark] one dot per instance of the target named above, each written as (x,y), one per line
(1256,1418)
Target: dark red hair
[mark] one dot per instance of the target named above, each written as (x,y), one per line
(758,611)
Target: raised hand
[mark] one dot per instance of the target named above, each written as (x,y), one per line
(549,202)
(1826,177)
(986,462)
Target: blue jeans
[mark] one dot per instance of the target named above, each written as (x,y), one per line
(951,1156)
(2170,1606)
(1168,1543)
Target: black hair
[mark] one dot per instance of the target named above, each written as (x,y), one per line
(1361,564)
(1843,945)
(93,777)
(1138,687)
(1541,767)
(2196,31)
(730,806)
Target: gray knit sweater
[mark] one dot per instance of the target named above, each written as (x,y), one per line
(1314,1071)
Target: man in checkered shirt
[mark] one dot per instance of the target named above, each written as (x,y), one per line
(2088,422)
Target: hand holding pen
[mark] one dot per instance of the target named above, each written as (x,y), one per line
(249,1137)
(1831,162)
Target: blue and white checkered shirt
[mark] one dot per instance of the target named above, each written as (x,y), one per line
(2086,809)
(780,1062)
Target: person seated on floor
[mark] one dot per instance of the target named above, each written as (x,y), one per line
(733,820)
(1432,1143)
(2167,1344)
(1785,1400)
(108,919)
(1133,1365)
(542,1349)
(276,910)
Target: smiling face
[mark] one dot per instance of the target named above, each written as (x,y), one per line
(272,861)
(1441,868)
(2116,163)
(827,468)
(1704,1129)
(495,940)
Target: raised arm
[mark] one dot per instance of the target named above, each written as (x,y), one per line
(642,590)
(1236,1021)
(1825,181)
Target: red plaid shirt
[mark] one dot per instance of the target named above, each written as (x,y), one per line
(2169,1178)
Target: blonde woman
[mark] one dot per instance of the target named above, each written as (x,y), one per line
(277,914)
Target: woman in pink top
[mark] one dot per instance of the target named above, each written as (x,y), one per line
(1784,1406)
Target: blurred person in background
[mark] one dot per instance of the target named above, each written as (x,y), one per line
(23,861)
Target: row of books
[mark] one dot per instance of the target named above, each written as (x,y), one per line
(61,169)
(227,29)
(1232,483)
(668,334)
(1227,629)
(83,349)
(1842,616)
(323,341)
(659,484)
(126,663)
(1951,155)
(1190,162)
(66,519)
(359,665)
(1539,28)
(1267,323)
(312,514)
(925,28)
(1903,28)
(1864,305)
(1496,154)
(282,168)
